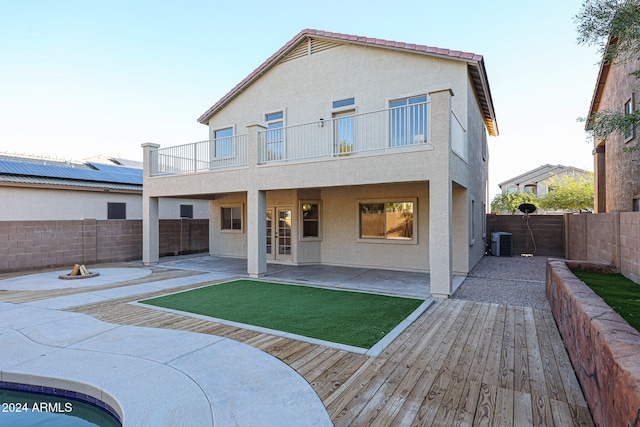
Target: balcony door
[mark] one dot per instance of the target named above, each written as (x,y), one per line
(343,132)
(279,238)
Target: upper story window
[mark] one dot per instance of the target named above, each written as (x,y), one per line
(628,109)
(223,142)
(408,121)
(275,136)
(344,102)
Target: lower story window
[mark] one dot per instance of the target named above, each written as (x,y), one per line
(231,218)
(390,220)
(310,220)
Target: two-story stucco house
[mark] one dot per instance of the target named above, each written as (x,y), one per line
(540,180)
(341,150)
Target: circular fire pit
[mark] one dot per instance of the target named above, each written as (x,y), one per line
(86,276)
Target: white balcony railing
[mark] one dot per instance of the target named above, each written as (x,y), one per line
(379,131)
(200,156)
(346,135)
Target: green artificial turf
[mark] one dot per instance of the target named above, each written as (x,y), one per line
(622,294)
(352,318)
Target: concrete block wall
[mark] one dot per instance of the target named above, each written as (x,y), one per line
(602,238)
(37,244)
(33,245)
(548,233)
(183,236)
(118,240)
(630,245)
(606,237)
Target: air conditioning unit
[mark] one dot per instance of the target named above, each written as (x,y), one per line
(501,244)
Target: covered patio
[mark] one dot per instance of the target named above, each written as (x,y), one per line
(385,282)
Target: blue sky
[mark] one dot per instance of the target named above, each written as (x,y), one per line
(80,77)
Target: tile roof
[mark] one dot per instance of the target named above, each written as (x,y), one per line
(475,61)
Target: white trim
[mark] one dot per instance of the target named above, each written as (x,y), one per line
(301,237)
(242,220)
(212,130)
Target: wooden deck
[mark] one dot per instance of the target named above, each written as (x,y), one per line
(461,363)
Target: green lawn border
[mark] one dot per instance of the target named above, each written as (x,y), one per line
(374,347)
(619,292)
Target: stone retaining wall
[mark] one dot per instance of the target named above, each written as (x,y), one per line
(602,346)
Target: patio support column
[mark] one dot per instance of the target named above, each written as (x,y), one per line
(150,213)
(150,230)
(440,238)
(256,233)
(440,196)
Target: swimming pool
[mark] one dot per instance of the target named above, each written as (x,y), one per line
(23,405)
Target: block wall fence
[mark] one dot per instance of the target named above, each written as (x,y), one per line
(26,245)
(607,237)
(612,238)
(547,230)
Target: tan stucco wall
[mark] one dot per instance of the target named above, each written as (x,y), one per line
(477,185)
(429,172)
(373,76)
(30,204)
(340,243)
(44,204)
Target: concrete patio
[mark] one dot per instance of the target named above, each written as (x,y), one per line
(398,283)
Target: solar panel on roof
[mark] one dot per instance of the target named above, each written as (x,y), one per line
(123,176)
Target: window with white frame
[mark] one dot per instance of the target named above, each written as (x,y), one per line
(408,121)
(275,136)
(223,142)
(231,218)
(388,220)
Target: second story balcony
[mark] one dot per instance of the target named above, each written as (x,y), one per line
(369,133)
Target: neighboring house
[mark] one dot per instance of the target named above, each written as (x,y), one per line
(341,150)
(37,188)
(541,179)
(616,172)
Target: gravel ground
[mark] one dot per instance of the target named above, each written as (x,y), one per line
(507,280)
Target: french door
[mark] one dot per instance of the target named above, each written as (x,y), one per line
(279,238)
